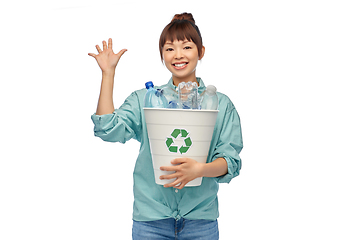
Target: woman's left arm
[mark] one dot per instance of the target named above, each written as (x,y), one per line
(216,168)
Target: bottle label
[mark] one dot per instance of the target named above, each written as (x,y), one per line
(173,142)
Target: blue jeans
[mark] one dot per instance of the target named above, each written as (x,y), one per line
(182,229)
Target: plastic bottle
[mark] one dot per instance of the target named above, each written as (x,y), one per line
(210,99)
(173,104)
(188,95)
(171,96)
(154,98)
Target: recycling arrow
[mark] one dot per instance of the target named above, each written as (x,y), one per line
(169,141)
(179,133)
(183,149)
(184,133)
(175,133)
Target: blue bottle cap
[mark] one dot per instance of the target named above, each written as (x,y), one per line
(149,84)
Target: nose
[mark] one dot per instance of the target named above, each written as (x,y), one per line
(178,54)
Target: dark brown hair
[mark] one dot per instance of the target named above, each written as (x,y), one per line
(182,27)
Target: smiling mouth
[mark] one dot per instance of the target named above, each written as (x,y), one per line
(179,65)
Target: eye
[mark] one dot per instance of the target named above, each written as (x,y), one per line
(169,49)
(187,47)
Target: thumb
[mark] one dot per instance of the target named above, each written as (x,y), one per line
(121,52)
(92,55)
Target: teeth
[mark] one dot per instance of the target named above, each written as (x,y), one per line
(180,65)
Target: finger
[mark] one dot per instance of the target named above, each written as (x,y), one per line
(92,55)
(110,43)
(169,168)
(104,45)
(180,186)
(122,52)
(178,183)
(174,184)
(170,176)
(98,49)
(178,160)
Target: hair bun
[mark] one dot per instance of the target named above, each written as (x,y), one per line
(184,16)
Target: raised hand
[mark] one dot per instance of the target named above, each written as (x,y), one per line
(106,58)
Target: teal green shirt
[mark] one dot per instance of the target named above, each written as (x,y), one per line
(152,201)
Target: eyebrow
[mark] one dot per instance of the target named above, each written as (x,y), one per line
(171,43)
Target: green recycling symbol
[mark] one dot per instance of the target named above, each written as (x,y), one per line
(174,135)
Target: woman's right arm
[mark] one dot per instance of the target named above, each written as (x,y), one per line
(107,61)
(105,102)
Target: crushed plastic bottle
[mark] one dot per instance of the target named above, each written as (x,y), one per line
(154,98)
(188,95)
(210,99)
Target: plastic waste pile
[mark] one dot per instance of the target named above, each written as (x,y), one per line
(186,96)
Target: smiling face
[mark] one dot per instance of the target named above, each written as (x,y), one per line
(181,58)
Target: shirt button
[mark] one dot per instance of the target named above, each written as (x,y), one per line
(176,190)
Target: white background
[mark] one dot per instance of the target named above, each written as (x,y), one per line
(290,67)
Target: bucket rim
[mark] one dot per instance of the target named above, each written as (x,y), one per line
(181,110)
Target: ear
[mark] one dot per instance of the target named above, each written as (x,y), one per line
(202,53)
(162,59)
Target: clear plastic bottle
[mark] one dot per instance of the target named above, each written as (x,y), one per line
(188,95)
(173,104)
(154,98)
(210,99)
(171,96)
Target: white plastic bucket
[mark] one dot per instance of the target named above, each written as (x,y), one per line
(175,133)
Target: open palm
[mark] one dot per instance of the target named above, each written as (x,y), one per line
(106,58)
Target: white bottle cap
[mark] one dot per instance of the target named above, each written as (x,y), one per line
(211,89)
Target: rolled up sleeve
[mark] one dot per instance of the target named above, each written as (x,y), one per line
(122,125)
(230,145)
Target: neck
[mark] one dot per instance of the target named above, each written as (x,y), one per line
(191,78)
